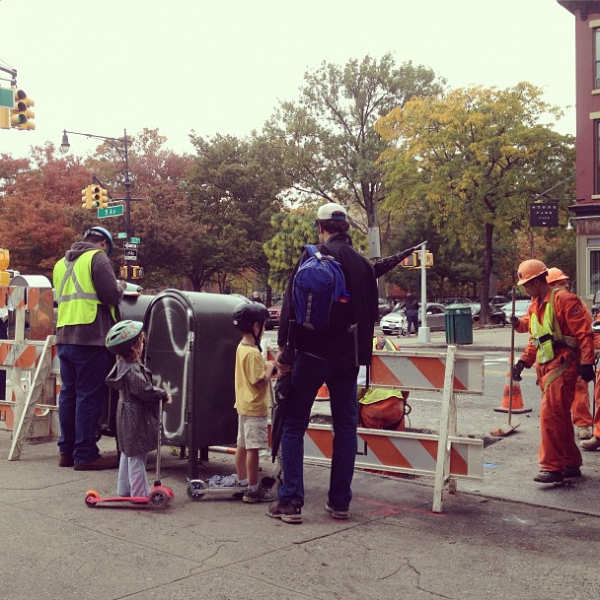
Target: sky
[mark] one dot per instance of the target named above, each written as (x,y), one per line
(223,66)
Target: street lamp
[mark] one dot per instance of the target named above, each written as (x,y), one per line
(121,145)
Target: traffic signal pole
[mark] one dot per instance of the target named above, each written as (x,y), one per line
(424,332)
(121,145)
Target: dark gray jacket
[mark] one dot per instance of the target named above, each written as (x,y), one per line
(138,417)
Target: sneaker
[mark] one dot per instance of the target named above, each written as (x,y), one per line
(592,444)
(66,460)
(337,514)
(548,477)
(100,464)
(571,471)
(259,495)
(584,433)
(286,512)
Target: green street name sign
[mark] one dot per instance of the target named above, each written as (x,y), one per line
(122,235)
(135,240)
(111,211)
(7,98)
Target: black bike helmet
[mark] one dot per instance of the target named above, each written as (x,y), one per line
(248,313)
(122,336)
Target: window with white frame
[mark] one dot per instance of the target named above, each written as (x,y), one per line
(594,270)
(597,58)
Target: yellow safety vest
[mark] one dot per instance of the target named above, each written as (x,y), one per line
(75,292)
(547,333)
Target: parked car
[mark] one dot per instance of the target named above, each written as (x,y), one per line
(455,300)
(394,323)
(496,314)
(274,314)
(499,300)
(521,308)
(384,307)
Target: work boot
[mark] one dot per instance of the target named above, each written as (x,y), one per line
(584,433)
(66,460)
(102,463)
(571,471)
(548,477)
(592,444)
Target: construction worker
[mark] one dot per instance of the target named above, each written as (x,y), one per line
(382,408)
(562,346)
(580,411)
(594,442)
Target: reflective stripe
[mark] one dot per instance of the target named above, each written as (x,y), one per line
(79,293)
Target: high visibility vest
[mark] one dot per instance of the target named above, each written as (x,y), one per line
(547,333)
(75,292)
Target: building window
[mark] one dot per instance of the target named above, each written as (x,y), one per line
(597,58)
(593,271)
(597,157)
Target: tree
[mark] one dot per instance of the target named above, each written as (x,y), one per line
(331,146)
(472,160)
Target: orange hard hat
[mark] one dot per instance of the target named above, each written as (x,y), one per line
(555,275)
(530,269)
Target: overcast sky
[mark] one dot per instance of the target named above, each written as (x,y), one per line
(221,66)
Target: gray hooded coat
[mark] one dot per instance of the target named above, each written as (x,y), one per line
(138,407)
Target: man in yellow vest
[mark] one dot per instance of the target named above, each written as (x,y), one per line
(87,293)
(561,345)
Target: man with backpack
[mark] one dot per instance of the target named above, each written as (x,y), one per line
(332,311)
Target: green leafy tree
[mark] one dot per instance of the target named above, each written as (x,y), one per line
(472,160)
(331,147)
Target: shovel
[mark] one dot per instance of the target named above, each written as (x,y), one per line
(509,427)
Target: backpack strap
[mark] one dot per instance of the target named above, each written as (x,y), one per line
(312,250)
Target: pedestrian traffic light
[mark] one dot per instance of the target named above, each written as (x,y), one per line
(4,118)
(123,272)
(86,197)
(412,260)
(103,198)
(21,116)
(429,259)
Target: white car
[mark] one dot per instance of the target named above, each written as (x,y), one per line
(395,323)
(521,308)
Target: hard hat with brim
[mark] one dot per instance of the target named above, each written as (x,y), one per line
(555,274)
(530,269)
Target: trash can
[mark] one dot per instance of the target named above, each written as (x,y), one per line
(459,324)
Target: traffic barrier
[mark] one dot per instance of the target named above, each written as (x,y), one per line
(445,456)
(517,397)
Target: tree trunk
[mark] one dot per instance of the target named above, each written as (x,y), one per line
(488,263)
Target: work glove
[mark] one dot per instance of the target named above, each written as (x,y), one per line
(517,370)
(586,372)
(514,321)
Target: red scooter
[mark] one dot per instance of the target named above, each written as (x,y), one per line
(158,497)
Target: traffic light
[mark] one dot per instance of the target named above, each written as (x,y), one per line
(21,116)
(103,198)
(4,262)
(4,118)
(123,272)
(96,195)
(412,260)
(429,259)
(86,197)
(138,272)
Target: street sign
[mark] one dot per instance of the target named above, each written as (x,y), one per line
(135,240)
(130,254)
(130,245)
(111,211)
(122,235)
(7,97)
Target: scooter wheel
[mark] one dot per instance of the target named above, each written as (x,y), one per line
(158,499)
(196,489)
(89,499)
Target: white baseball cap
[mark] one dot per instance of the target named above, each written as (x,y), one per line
(331,211)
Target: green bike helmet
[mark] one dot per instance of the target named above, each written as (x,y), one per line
(122,336)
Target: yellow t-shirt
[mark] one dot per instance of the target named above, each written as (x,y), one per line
(250,400)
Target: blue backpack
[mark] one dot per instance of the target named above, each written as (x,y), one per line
(319,285)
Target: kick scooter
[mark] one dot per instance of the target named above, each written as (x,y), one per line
(158,497)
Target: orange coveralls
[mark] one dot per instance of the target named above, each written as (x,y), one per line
(580,410)
(596,431)
(557,447)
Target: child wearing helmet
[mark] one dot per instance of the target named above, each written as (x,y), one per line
(252,375)
(138,412)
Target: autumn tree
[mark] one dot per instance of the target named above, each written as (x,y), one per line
(331,147)
(471,161)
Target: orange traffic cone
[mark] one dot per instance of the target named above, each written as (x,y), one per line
(517,398)
(323,393)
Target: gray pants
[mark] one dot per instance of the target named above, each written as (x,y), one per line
(132,480)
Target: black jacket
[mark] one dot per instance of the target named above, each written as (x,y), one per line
(336,344)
